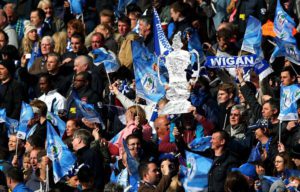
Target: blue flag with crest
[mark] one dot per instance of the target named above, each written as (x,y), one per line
(88,111)
(108,58)
(288,106)
(147,84)
(196,172)
(62,158)
(161,43)
(58,122)
(286,42)
(253,36)
(26,115)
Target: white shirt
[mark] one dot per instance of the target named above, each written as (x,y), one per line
(54,101)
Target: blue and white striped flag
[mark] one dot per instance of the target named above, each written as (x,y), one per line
(161,43)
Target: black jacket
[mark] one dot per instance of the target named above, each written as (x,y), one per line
(92,158)
(221,166)
(11,97)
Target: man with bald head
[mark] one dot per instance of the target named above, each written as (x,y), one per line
(84,63)
(162,127)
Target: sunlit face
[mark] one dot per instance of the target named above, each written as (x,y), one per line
(26,163)
(96,42)
(143,28)
(134,145)
(52,64)
(123,28)
(133,19)
(235,116)
(4,74)
(32,35)
(223,96)
(35,19)
(12,143)
(286,78)
(175,15)
(48,10)
(216,141)
(70,128)
(241,97)
(267,111)
(76,44)
(70,31)
(153,174)
(33,159)
(279,164)
(46,47)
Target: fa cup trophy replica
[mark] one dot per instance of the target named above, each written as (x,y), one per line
(177,91)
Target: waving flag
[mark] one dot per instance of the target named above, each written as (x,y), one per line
(200,144)
(161,43)
(284,27)
(88,111)
(58,122)
(11,125)
(147,84)
(62,158)
(76,6)
(254,155)
(253,36)
(26,115)
(122,6)
(132,163)
(263,69)
(35,53)
(196,175)
(2,115)
(194,43)
(288,106)
(108,58)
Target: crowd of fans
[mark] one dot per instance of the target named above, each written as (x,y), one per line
(240,115)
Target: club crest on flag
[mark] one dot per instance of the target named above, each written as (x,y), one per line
(56,151)
(286,94)
(149,83)
(191,167)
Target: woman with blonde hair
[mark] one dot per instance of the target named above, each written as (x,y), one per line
(60,42)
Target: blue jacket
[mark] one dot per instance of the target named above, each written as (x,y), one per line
(21,188)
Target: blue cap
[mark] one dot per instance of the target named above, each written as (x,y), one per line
(247,169)
(261,123)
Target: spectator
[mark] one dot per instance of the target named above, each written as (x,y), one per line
(55,102)
(37,19)
(14,180)
(151,178)
(4,25)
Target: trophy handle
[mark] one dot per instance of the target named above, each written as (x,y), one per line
(198,61)
(158,71)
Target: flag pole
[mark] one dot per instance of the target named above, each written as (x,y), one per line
(47,178)
(294,69)
(279,139)
(17,147)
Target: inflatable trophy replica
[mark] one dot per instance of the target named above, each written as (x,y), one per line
(177,91)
